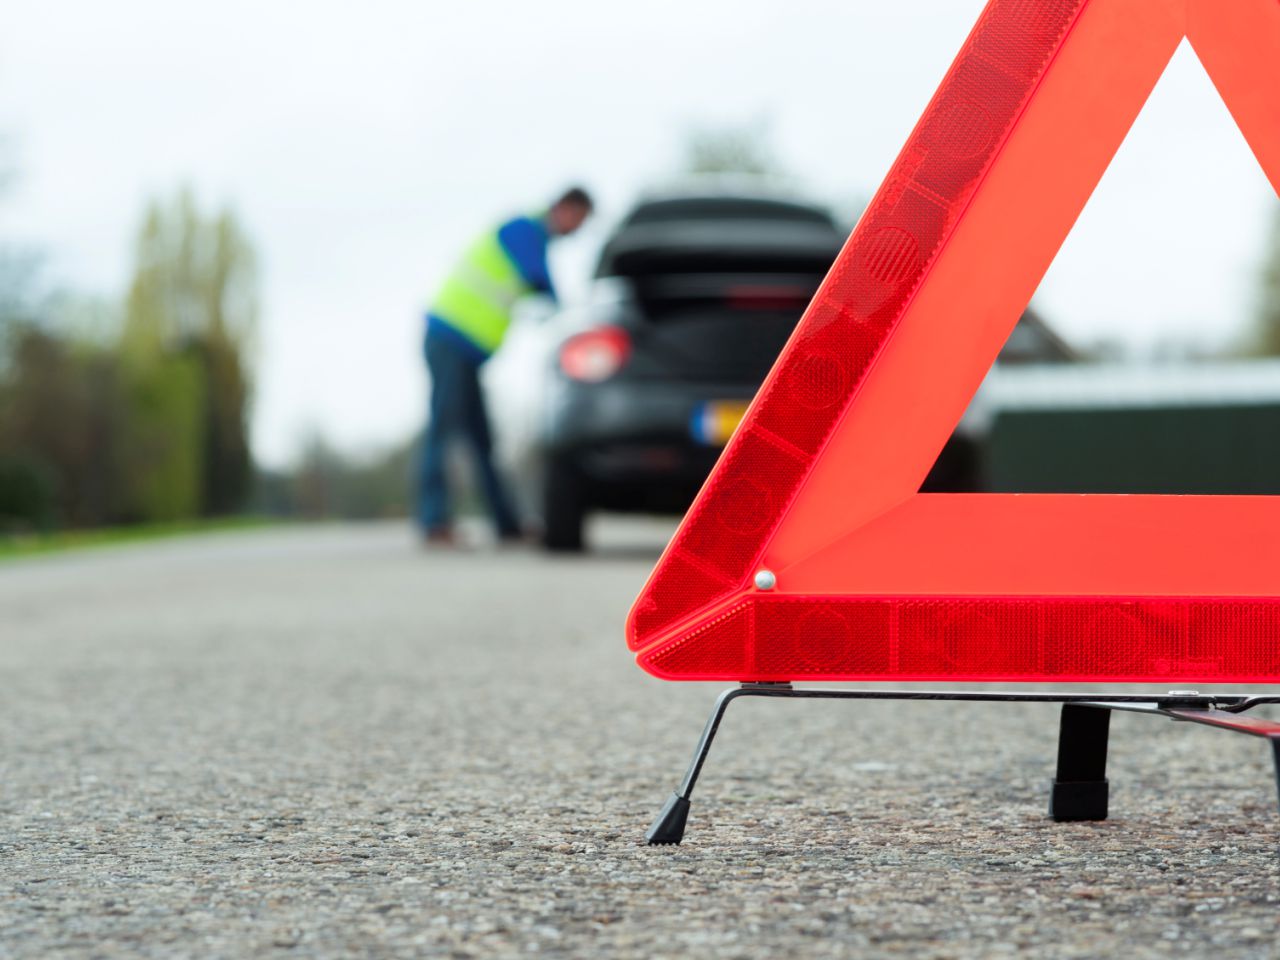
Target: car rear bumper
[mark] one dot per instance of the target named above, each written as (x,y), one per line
(637,443)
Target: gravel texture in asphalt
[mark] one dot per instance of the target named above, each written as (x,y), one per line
(328,742)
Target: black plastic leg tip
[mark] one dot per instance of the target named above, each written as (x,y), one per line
(669,826)
(1078,800)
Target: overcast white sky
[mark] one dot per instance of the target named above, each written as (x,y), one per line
(362,144)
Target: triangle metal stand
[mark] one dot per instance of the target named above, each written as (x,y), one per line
(1079,789)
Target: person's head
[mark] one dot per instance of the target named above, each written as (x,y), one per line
(567,213)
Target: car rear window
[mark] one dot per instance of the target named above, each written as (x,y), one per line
(721,246)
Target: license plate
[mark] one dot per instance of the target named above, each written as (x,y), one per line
(713,423)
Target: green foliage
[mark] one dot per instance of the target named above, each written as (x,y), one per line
(161,450)
(144,420)
(61,409)
(730,150)
(195,278)
(189,319)
(227,465)
(27,491)
(327,485)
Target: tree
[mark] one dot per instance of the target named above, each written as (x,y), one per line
(730,150)
(61,411)
(325,483)
(29,485)
(190,318)
(109,419)
(18,268)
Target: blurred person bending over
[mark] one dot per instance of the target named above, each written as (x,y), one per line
(465,325)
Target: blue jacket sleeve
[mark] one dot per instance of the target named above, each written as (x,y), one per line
(525,241)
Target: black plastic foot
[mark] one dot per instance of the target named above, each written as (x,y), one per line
(1080,783)
(1078,800)
(669,825)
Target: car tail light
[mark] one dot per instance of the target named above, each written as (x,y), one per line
(595,355)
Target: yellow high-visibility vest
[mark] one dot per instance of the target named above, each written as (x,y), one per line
(478,295)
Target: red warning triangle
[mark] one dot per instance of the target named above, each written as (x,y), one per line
(810,555)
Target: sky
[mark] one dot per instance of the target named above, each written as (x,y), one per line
(363,145)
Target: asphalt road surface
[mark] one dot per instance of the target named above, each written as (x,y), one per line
(327,742)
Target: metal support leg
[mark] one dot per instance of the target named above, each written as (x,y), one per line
(1275,753)
(668,827)
(1080,789)
(1232,720)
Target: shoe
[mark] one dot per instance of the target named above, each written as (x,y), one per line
(518,538)
(439,537)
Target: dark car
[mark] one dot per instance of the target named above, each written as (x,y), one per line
(634,394)
(693,299)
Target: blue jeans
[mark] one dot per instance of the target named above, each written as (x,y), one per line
(457,412)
